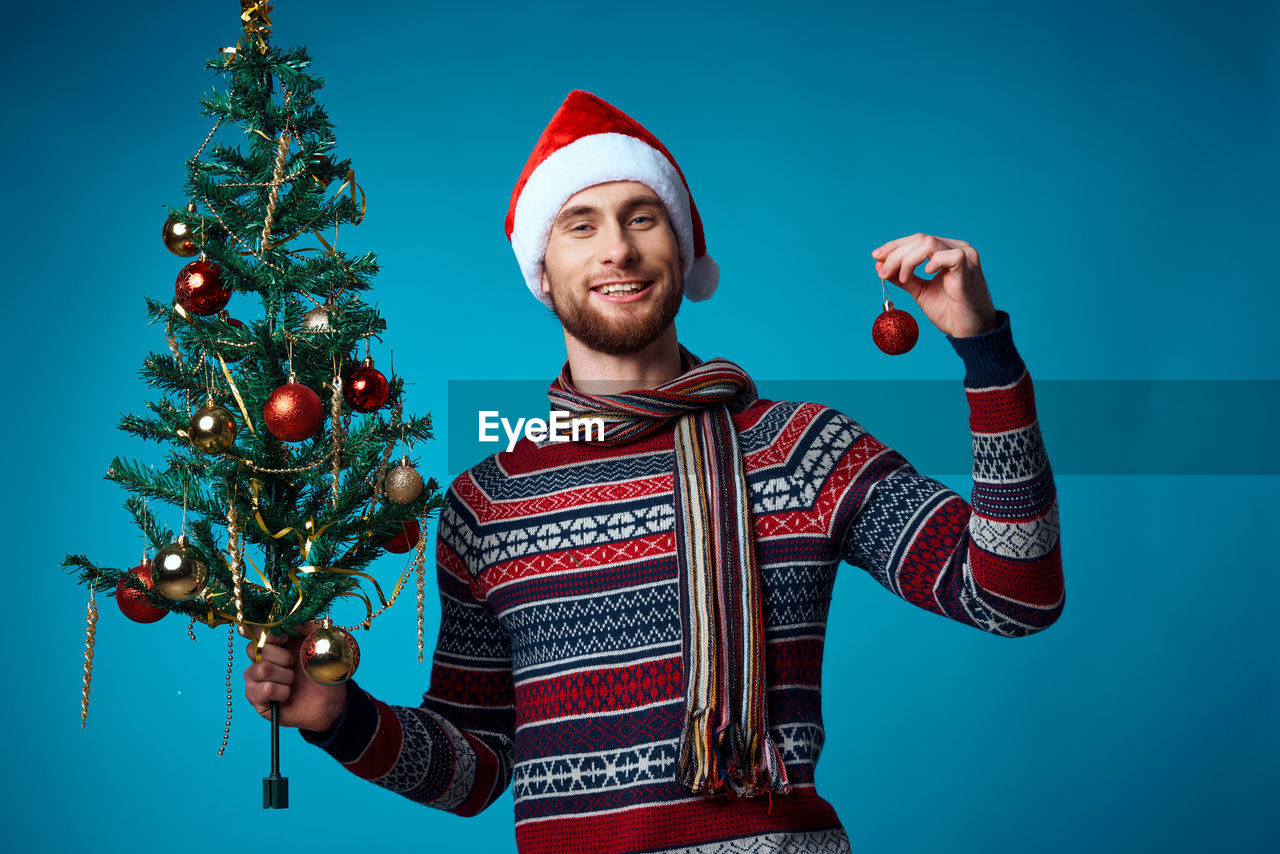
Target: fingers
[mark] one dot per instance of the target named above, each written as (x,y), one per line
(262,694)
(883,251)
(946,258)
(266,671)
(270,680)
(898,259)
(271,652)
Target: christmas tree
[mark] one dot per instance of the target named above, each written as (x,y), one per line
(279,438)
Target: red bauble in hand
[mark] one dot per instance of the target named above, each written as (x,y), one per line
(133,603)
(366,389)
(406,539)
(895,331)
(200,289)
(293,413)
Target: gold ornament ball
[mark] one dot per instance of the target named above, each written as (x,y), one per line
(176,572)
(329,655)
(178,238)
(403,484)
(316,320)
(212,429)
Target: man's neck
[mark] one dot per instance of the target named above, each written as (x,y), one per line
(601,373)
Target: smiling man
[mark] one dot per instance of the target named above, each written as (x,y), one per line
(643,271)
(632,627)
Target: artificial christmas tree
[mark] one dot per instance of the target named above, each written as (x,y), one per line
(279,474)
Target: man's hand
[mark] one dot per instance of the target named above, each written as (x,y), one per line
(280,677)
(957,301)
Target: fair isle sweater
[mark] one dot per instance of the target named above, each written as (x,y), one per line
(558,669)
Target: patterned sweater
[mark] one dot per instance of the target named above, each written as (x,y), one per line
(558,669)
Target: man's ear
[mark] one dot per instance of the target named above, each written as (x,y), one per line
(546,287)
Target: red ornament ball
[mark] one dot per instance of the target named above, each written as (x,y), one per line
(293,413)
(366,389)
(133,603)
(895,331)
(200,289)
(406,539)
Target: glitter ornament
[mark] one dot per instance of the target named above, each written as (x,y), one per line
(403,484)
(176,572)
(895,331)
(178,237)
(212,429)
(200,289)
(293,412)
(329,655)
(317,320)
(134,603)
(406,539)
(366,389)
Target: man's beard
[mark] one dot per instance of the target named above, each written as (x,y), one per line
(586,322)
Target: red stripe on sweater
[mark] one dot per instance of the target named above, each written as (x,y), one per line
(486,777)
(998,410)
(449,559)
(930,552)
(384,747)
(605,554)
(580,499)
(616,689)
(787,439)
(468,687)
(692,822)
(1036,582)
(607,689)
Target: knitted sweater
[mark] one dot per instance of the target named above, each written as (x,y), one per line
(558,668)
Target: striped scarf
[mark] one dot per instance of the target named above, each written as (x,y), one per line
(725,739)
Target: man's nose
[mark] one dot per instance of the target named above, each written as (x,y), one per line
(618,247)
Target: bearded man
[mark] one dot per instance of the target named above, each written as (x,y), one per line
(632,626)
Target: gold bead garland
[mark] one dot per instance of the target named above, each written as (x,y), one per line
(231,661)
(422,575)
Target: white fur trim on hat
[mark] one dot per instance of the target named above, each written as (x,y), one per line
(599,159)
(701,282)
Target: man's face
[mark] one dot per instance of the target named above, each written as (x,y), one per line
(612,267)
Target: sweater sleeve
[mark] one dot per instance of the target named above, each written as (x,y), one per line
(994,564)
(454,751)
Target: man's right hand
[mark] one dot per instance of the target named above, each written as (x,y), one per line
(279,677)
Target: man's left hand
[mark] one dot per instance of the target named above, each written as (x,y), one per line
(956,301)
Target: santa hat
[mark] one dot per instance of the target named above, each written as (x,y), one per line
(589,142)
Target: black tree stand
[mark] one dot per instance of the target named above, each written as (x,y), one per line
(275,789)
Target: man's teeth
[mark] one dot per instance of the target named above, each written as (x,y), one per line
(629,288)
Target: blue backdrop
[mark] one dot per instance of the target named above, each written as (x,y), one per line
(1114,165)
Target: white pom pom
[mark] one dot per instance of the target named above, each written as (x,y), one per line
(702,280)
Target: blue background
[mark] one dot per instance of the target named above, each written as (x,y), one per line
(1114,165)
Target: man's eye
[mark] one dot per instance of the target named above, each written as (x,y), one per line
(579,227)
(642,217)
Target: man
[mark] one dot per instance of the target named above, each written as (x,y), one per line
(632,629)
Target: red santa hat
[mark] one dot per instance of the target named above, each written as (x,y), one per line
(589,142)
